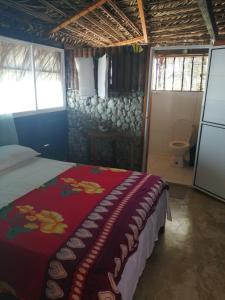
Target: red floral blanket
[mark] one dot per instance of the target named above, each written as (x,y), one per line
(71,237)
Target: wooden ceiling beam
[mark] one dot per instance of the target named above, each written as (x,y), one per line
(143,21)
(207,14)
(123,16)
(127,42)
(77,16)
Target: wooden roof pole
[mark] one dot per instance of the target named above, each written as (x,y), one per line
(127,42)
(123,16)
(143,21)
(207,14)
(76,17)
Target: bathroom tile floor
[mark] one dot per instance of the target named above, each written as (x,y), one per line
(161,165)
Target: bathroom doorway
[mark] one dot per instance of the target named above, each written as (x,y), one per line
(177,87)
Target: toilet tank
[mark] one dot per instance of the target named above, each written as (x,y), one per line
(182,130)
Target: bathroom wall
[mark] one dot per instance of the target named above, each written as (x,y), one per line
(167,107)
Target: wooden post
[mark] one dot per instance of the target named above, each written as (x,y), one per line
(147,110)
(143,21)
(207,14)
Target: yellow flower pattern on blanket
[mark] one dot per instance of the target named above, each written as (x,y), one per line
(112,169)
(46,221)
(84,186)
(26,209)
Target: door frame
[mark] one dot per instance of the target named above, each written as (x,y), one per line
(148,96)
(202,123)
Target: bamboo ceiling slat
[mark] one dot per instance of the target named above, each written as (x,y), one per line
(84,37)
(155,26)
(77,16)
(101,28)
(128,42)
(27,10)
(171,5)
(93,33)
(124,17)
(179,28)
(174,42)
(53,9)
(188,10)
(188,34)
(113,19)
(95,30)
(168,18)
(68,38)
(108,25)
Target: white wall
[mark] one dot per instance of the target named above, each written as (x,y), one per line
(166,108)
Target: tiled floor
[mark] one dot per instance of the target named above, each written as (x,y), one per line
(188,261)
(161,165)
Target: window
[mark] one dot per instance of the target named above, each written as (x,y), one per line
(31,77)
(179,73)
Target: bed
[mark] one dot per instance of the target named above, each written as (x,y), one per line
(76,232)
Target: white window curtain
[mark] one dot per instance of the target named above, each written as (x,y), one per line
(8,133)
(103,66)
(85,69)
(16,81)
(48,72)
(31,77)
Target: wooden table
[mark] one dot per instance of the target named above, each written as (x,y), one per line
(96,136)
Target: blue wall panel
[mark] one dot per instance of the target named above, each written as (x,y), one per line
(46,133)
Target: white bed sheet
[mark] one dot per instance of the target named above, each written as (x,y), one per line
(16,182)
(136,262)
(23,178)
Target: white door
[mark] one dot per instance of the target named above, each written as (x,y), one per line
(214,111)
(210,172)
(210,158)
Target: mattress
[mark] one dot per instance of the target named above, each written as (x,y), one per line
(16,182)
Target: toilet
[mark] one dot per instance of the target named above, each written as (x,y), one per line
(179,146)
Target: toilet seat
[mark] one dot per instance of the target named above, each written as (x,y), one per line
(179,145)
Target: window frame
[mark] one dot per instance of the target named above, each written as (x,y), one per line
(62,53)
(154,88)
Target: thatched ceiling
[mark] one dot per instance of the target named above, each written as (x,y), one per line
(168,22)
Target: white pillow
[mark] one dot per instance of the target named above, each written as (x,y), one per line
(10,155)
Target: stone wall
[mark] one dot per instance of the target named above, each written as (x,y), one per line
(121,114)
